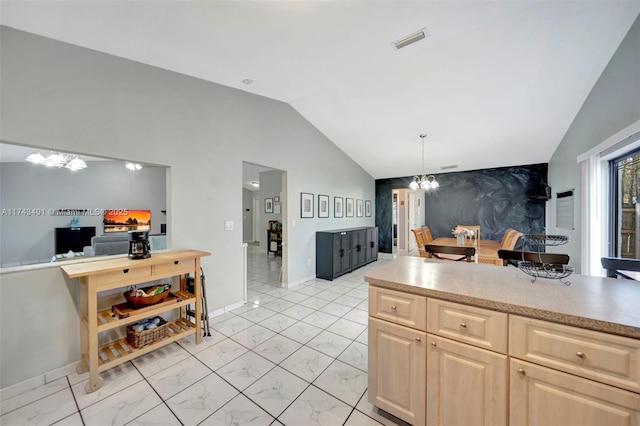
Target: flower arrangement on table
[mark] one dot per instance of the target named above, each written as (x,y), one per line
(462,232)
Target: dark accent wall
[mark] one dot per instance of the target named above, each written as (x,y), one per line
(496,199)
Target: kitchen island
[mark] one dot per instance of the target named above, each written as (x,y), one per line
(458,343)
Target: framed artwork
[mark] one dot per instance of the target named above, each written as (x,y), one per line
(338,207)
(306,204)
(323,205)
(268,205)
(367,208)
(123,220)
(359,208)
(349,212)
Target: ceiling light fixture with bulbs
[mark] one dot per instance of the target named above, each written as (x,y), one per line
(424,181)
(133,166)
(255,184)
(59,160)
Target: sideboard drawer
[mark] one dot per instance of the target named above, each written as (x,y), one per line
(475,326)
(599,356)
(176,267)
(124,276)
(398,307)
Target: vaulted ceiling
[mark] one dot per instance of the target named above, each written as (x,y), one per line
(493,83)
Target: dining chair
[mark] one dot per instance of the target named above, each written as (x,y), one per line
(420,242)
(426,233)
(465,252)
(614,264)
(510,239)
(513,256)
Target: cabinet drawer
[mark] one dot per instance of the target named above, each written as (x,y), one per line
(124,276)
(599,356)
(176,267)
(479,327)
(398,307)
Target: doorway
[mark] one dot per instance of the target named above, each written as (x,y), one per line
(408,213)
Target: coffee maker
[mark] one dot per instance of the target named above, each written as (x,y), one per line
(139,245)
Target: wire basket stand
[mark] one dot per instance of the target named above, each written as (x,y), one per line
(538,238)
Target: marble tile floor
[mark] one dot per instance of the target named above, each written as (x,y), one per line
(293,357)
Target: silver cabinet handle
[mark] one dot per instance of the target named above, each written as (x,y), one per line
(581,355)
(417,339)
(521,372)
(433,344)
(463,325)
(393,307)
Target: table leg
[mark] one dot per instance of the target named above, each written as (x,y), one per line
(82,366)
(92,320)
(198,289)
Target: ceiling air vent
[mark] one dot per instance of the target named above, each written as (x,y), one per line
(410,39)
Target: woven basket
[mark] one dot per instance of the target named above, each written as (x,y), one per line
(138,339)
(141,302)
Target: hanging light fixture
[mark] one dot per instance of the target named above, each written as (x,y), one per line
(59,160)
(424,181)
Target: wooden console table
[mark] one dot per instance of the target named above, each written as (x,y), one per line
(113,273)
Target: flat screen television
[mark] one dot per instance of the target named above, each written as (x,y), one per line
(73,239)
(125,220)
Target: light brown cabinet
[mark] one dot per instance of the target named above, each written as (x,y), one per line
(398,370)
(465,385)
(478,366)
(542,396)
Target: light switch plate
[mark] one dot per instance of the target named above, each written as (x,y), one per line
(228,225)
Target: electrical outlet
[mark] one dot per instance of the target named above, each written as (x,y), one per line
(308,262)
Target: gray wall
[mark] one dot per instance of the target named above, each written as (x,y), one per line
(612,105)
(102,185)
(60,96)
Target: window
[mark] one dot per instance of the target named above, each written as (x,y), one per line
(624,232)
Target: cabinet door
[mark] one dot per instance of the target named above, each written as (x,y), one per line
(345,260)
(358,248)
(338,254)
(397,370)
(542,396)
(465,385)
(372,245)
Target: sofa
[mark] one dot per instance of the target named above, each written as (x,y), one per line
(119,244)
(108,244)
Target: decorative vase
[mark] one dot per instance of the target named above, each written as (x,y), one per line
(460,239)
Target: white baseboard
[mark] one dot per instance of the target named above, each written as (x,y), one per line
(42,379)
(292,284)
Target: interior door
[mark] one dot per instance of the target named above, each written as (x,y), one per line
(415,215)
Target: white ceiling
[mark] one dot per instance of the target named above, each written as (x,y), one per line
(495,83)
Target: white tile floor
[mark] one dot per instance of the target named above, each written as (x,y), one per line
(291,357)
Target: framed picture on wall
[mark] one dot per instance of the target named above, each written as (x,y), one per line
(338,207)
(349,207)
(367,208)
(323,205)
(306,204)
(268,205)
(359,208)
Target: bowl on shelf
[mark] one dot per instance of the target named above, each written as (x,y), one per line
(142,301)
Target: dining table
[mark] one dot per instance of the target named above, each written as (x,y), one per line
(486,250)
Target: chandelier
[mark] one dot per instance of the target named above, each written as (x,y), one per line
(59,160)
(424,181)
